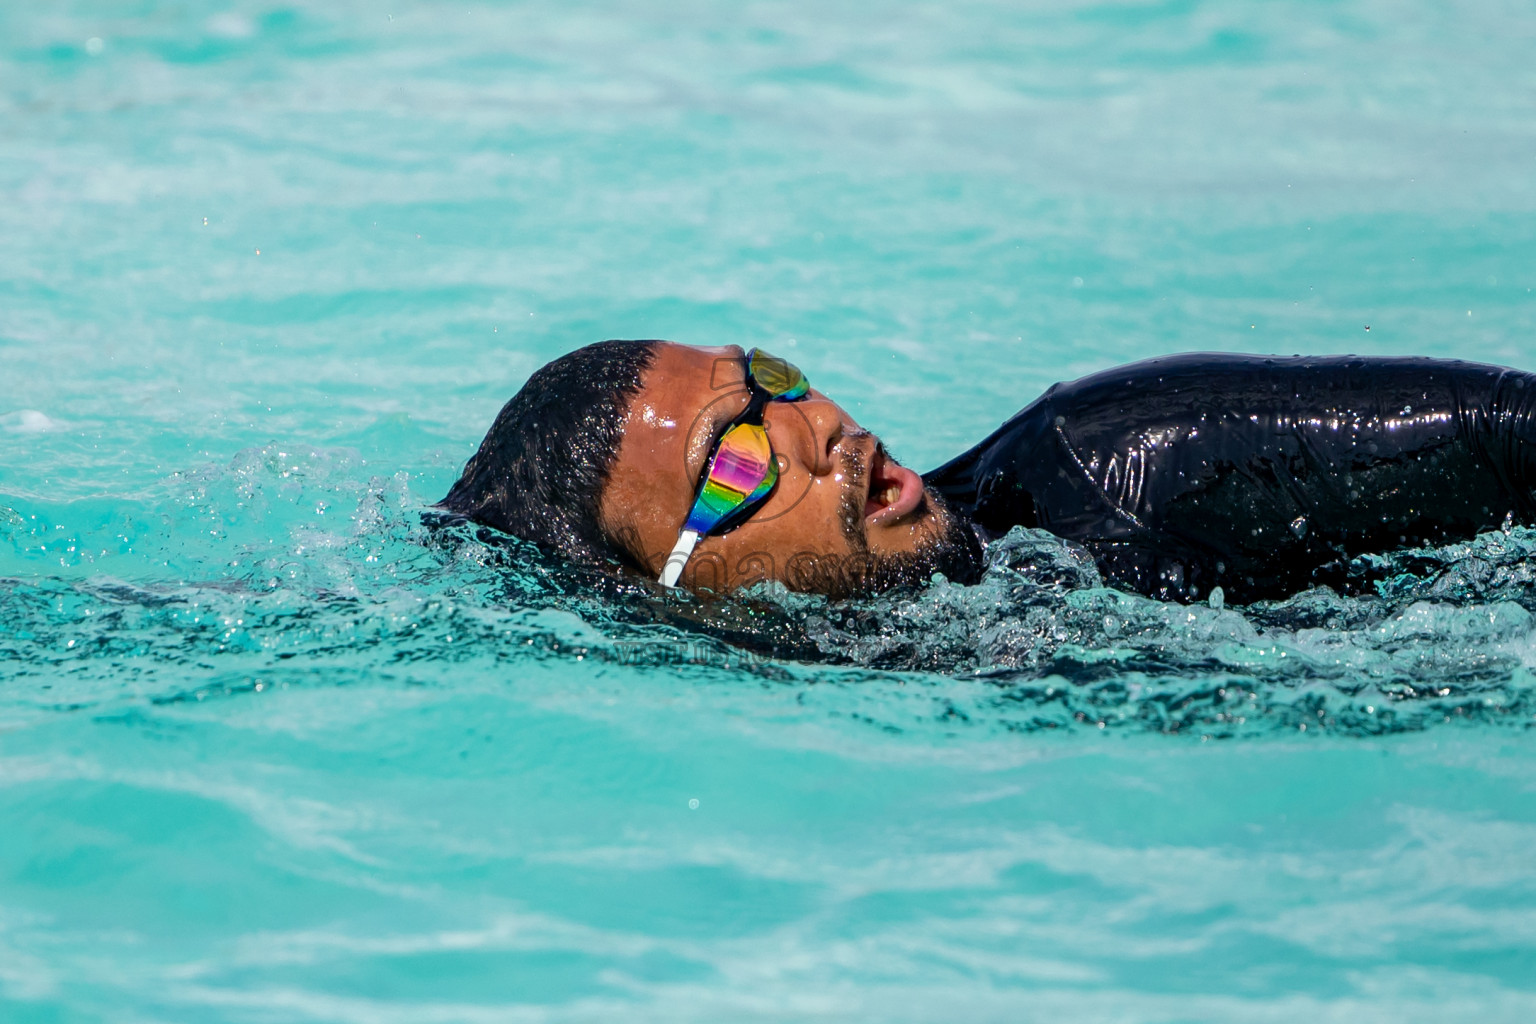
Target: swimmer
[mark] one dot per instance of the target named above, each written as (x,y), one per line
(714,468)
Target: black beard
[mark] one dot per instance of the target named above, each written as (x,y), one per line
(950,547)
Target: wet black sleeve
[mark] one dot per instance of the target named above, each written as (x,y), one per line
(1260,475)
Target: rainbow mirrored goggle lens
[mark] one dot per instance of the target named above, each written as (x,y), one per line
(740,471)
(780,379)
(740,475)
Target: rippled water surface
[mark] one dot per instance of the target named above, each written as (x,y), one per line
(273,749)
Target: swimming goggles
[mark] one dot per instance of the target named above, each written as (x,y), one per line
(740,470)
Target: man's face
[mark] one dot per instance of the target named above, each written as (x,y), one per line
(844,517)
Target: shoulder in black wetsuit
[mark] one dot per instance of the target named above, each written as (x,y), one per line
(1259,475)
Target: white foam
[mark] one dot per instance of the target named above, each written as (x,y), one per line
(230,25)
(28,421)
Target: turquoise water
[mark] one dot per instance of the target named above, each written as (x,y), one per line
(269,752)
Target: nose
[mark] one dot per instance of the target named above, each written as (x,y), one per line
(807,431)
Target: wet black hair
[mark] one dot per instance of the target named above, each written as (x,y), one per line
(540,472)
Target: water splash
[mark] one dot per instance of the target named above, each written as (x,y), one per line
(295,565)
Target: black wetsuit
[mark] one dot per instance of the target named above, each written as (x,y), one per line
(1259,475)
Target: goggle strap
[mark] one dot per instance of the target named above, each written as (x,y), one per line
(678,558)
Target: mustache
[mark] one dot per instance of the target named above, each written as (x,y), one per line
(850,509)
(855,463)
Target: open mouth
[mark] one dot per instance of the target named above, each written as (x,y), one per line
(894,491)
